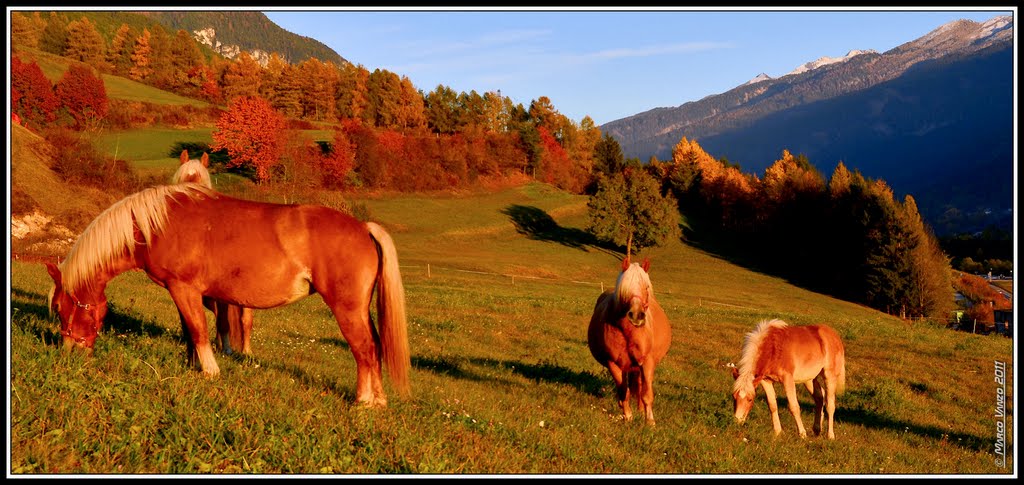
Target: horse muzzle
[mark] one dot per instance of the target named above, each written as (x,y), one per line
(77,343)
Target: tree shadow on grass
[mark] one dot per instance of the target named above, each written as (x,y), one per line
(540,226)
(461,368)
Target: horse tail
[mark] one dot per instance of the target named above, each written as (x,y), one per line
(391,311)
(839,360)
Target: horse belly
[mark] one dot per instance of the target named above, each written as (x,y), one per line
(263,289)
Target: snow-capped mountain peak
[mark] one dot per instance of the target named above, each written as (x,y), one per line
(826,60)
(758,78)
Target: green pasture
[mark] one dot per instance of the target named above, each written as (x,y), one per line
(499,291)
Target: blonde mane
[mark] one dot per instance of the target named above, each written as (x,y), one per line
(192,171)
(111,235)
(630,281)
(751,345)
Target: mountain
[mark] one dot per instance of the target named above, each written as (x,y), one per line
(933,117)
(229,32)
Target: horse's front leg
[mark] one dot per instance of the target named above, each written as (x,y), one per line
(621,389)
(773,405)
(794,405)
(647,390)
(190,310)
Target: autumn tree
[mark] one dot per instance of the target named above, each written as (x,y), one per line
(54,37)
(24,30)
(352,96)
(384,91)
(253,134)
(185,57)
(930,292)
(86,44)
(32,96)
(318,82)
(119,53)
(242,77)
(336,166)
(82,95)
(141,57)
(629,209)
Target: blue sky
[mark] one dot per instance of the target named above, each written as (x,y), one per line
(606,64)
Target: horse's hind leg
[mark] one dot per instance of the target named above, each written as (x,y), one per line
(246,330)
(830,398)
(364,342)
(814,386)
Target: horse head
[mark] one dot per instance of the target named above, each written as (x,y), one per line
(743,391)
(633,290)
(194,171)
(81,314)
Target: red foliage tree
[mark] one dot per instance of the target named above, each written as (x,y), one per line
(82,95)
(32,97)
(556,168)
(253,133)
(335,166)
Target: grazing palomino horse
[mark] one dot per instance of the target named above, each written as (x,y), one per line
(198,243)
(629,334)
(812,355)
(234,323)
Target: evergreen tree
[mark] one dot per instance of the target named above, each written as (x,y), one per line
(629,210)
(85,44)
(54,37)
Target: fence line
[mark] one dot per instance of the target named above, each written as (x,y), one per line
(508,275)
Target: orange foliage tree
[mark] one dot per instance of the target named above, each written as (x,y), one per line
(253,134)
(32,96)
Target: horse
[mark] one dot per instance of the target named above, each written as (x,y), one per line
(234,323)
(629,334)
(812,355)
(196,243)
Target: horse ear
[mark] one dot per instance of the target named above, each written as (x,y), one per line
(205,160)
(646,265)
(54,273)
(625,263)
(184,157)
(735,373)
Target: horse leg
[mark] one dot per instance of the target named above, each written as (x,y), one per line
(364,342)
(246,318)
(621,390)
(794,405)
(220,314)
(647,391)
(190,310)
(830,392)
(773,405)
(814,386)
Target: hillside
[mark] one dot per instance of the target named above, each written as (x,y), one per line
(230,31)
(502,379)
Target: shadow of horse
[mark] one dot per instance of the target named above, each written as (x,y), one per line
(540,226)
(458,368)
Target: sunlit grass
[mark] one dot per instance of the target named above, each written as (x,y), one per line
(502,380)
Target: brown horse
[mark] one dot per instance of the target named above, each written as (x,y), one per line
(234,323)
(630,334)
(812,355)
(197,243)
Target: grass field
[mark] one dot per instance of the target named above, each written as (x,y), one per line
(499,290)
